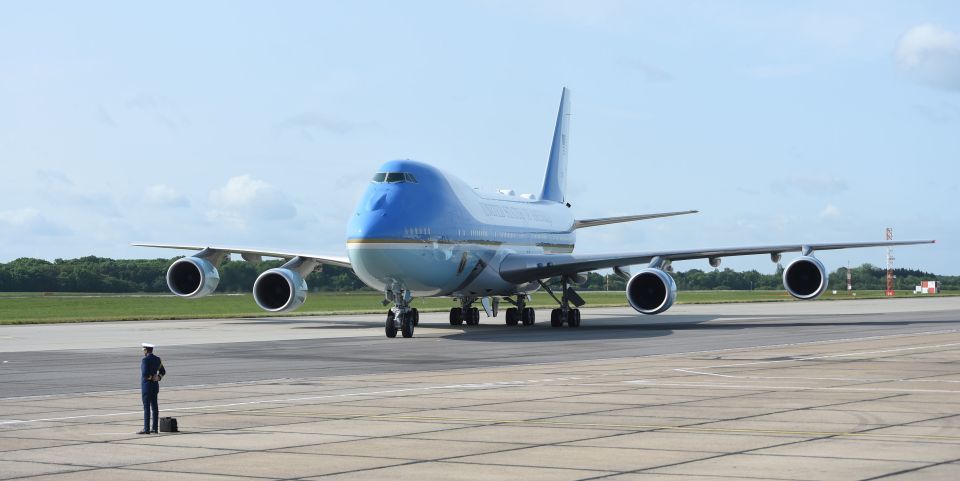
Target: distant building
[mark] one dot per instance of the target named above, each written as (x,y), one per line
(927,287)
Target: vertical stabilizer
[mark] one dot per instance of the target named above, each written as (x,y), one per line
(555,179)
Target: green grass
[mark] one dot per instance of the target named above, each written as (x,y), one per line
(32,308)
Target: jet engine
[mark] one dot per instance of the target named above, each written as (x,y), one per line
(651,291)
(192,277)
(280,289)
(805,277)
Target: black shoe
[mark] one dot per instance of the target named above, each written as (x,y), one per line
(154,431)
(143,432)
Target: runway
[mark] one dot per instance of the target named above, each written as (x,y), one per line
(91,357)
(866,389)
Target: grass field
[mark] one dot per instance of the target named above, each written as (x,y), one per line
(33,308)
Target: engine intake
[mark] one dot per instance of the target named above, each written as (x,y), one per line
(805,277)
(651,291)
(192,277)
(279,290)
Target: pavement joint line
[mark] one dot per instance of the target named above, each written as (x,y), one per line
(830,356)
(750,451)
(800,378)
(547,363)
(912,470)
(634,427)
(468,386)
(653,382)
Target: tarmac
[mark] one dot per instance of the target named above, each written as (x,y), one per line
(840,390)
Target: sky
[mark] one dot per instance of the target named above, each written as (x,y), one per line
(260,123)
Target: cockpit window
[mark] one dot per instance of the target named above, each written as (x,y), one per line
(394,177)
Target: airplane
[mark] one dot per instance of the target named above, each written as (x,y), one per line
(421,232)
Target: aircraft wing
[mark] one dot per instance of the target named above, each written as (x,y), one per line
(520,268)
(581,223)
(340,261)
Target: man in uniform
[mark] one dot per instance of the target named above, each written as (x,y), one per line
(151,371)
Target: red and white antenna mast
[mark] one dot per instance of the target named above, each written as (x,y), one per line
(890,263)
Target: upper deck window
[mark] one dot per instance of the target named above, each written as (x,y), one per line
(394,177)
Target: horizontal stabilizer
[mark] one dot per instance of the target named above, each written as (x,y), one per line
(579,224)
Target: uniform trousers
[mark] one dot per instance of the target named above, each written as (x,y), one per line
(148,393)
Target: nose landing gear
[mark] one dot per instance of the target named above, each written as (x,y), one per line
(401,317)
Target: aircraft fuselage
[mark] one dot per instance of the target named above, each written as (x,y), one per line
(424,232)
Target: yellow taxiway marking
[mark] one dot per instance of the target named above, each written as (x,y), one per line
(632,427)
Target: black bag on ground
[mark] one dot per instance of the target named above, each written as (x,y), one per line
(168,425)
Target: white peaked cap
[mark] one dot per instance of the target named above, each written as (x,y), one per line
(147,344)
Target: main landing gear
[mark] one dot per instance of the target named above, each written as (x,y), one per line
(465,313)
(402,318)
(520,314)
(565,314)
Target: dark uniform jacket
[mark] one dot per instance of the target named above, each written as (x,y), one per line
(151,370)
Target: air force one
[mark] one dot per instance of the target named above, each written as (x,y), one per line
(420,232)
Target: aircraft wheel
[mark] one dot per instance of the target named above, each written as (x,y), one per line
(511,316)
(555,319)
(574,320)
(473,316)
(416,316)
(529,316)
(406,325)
(456,316)
(391,327)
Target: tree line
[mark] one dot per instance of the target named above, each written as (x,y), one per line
(103,275)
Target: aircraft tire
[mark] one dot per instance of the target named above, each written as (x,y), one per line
(416,316)
(456,316)
(391,326)
(555,320)
(529,316)
(474,316)
(574,320)
(406,325)
(511,316)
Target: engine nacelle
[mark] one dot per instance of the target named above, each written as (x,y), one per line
(651,291)
(279,289)
(805,277)
(192,277)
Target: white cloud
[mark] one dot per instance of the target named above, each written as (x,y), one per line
(59,186)
(31,222)
(165,196)
(778,71)
(245,199)
(650,73)
(830,212)
(811,185)
(161,108)
(310,125)
(931,55)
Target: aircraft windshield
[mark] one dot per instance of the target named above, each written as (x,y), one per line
(394,177)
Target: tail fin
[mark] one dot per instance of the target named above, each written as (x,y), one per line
(555,179)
